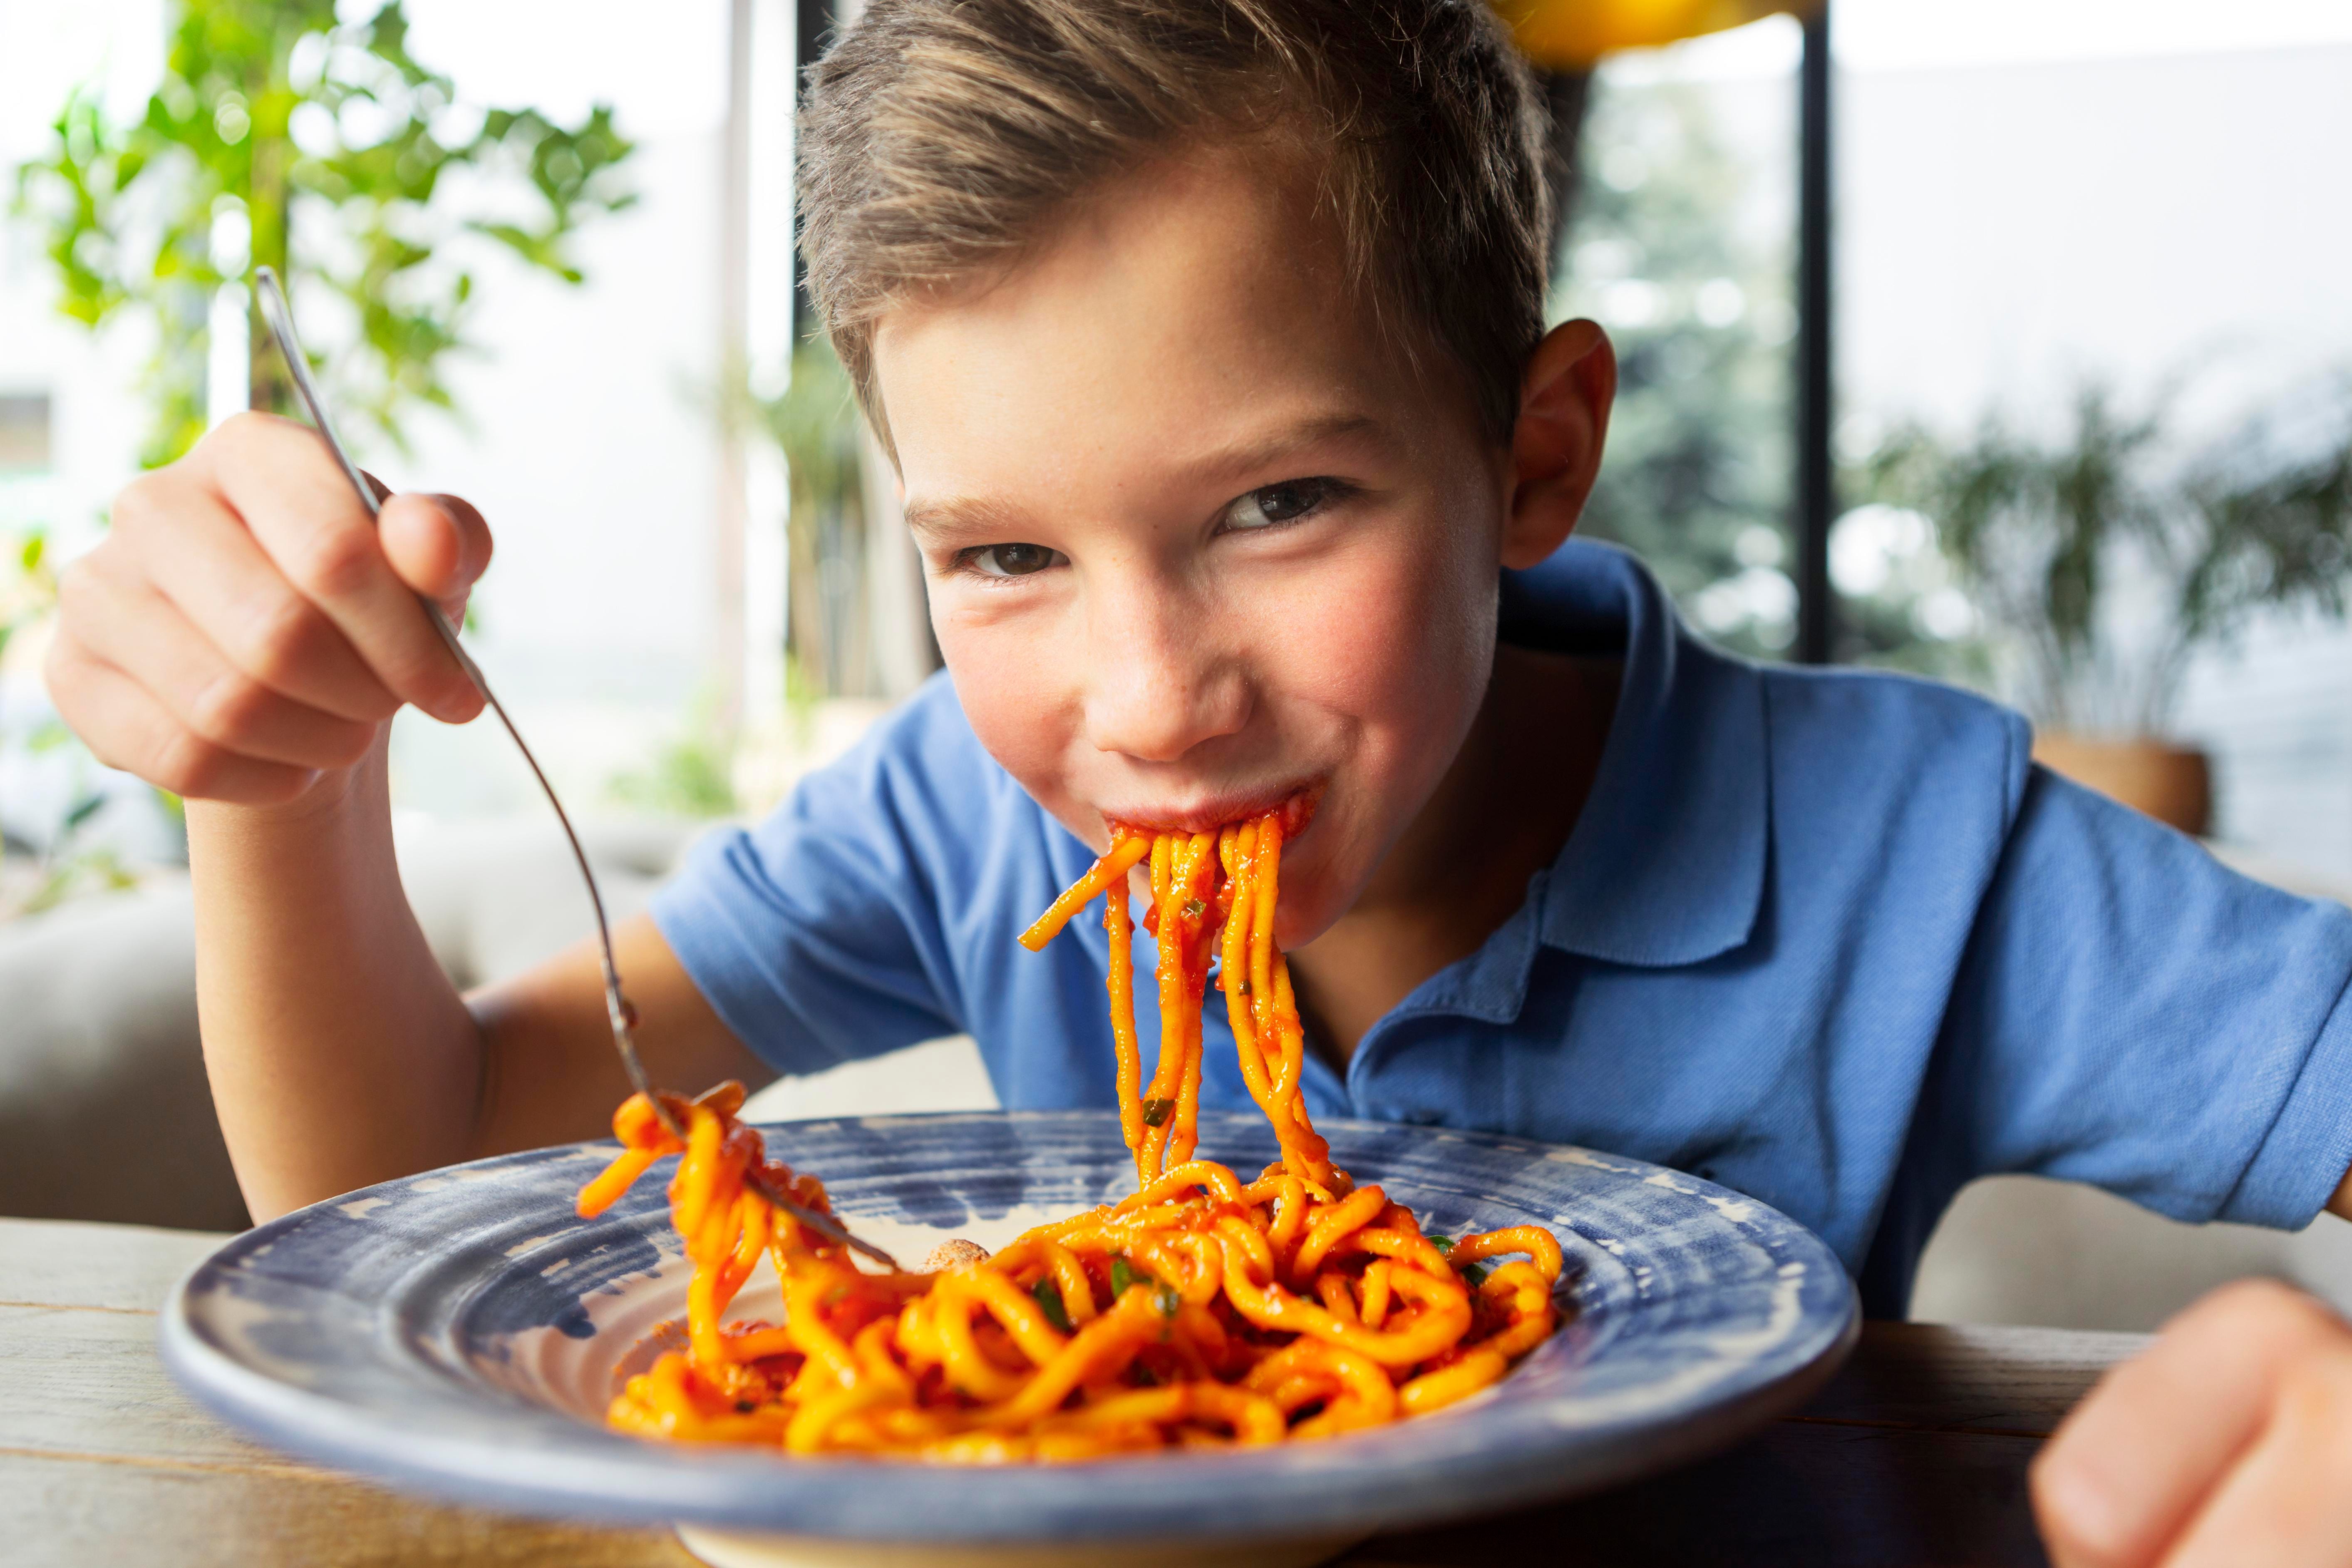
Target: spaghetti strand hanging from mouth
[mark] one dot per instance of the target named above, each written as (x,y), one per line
(1199,1311)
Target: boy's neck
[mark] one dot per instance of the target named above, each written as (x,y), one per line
(1502,813)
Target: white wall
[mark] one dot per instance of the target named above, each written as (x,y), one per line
(2004,229)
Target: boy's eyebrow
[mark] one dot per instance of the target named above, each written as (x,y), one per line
(1246,457)
(975,517)
(961,516)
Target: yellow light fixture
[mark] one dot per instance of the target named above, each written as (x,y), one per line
(1571,35)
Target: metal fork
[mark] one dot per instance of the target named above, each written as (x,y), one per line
(616,1004)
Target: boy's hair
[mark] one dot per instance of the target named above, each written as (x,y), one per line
(943,137)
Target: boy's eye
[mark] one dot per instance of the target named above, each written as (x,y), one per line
(1271,504)
(1010,560)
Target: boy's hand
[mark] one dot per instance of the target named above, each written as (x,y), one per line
(2228,1443)
(246,631)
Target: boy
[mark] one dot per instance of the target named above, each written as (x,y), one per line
(1207,338)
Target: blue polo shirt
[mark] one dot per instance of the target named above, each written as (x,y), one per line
(1827,937)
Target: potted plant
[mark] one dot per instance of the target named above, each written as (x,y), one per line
(2101,563)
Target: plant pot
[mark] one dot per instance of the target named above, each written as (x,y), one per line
(2173,784)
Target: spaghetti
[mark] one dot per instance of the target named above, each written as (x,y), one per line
(1203,1311)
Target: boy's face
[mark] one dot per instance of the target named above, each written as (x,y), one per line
(1198,536)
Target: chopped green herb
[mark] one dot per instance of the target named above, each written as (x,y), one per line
(1124,1275)
(1155,1111)
(1475,1273)
(1164,1297)
(1445,1244)
(1194,909)
(1049,1300)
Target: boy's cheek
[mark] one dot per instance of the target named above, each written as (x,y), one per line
(1024,696)
(1400,634)
(1012,699)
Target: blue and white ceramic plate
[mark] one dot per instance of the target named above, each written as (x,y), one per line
(460,1334)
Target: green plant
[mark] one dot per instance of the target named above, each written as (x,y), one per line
(2102,561)
(278,136)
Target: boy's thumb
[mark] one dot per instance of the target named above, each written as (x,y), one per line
(439,545)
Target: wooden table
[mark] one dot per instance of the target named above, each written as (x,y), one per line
(1914,1456)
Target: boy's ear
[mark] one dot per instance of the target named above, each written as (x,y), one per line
(1564,399)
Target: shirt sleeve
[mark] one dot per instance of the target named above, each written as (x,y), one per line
(816,935)
(2133,1014)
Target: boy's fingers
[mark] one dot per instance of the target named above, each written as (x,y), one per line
(2287,1504)
(136,631)
(2138,1457)
(317,532)
(199,557)
(438,544)
(127,728)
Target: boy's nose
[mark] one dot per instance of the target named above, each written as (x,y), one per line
(1159,681)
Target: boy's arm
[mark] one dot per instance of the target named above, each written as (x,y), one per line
(2134,1014)
(243,638)
(340,1054)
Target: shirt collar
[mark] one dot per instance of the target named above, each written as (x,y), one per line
(1666,865)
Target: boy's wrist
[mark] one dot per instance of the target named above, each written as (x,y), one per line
(363,788)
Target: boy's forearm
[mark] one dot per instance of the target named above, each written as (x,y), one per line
(339,1053)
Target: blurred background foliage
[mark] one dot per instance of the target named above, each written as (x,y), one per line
(1697,474)
(1670,248)
(2103,554)
(278,136)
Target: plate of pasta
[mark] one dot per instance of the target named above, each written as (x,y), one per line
(1131,1336)
(465,1334)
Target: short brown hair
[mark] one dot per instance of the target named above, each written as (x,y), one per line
(941,138)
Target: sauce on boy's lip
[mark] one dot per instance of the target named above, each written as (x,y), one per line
(1296,802)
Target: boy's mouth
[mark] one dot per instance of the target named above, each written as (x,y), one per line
(1295,801)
